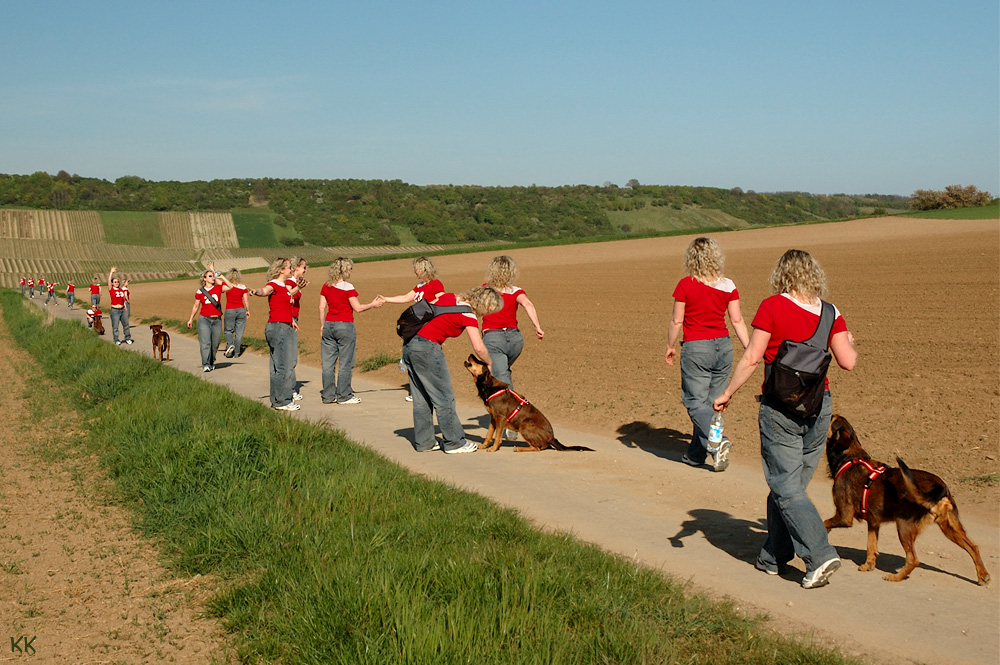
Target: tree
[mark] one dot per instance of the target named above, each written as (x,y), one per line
(953,196)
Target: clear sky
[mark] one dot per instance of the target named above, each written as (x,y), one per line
(824,97)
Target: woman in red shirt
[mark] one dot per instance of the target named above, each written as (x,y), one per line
(278,331)
(701,302)
(500,332)
(792,446)
(338,302)
(208,307)
(430,380)
(237,313)
(119,314)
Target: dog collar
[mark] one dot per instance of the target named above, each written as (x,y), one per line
(874,472)
(521,401)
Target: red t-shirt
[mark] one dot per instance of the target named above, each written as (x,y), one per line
(94,311)
(786,318)
(41,282)
(95,289)
(444,326)
(338,297)
(207,308)
(291,283)
(70,287)
(705,307)
(31,282)
(506,317)
(22,281)
(234,297)
(279,303)
(428,289)
(52,287)
(117,296)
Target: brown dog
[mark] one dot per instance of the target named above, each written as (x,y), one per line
(867,491)
(510,410)
(161,342)
(98,325)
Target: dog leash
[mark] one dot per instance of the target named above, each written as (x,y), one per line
(874,472)
(521,401)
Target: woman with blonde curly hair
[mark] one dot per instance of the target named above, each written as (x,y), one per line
(278,331)
(702,300)
(236,314)
(430,380)
(500,332)
(792,445)
(338,302)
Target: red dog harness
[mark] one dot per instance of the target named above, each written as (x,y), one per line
(521,401)
(874,472)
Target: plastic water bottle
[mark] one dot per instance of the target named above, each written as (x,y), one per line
(402,365)
(715,427)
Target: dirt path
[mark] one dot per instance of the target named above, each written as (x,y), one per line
(908,288)
(79,585)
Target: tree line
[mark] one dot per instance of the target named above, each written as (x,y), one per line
(378,212)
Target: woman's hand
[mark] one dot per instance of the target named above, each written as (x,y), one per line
(670,355)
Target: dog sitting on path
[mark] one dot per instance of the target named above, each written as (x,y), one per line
(98,324)
(161,342)
(510,410)
(868,491)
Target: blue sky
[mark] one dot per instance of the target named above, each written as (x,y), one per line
(824,97)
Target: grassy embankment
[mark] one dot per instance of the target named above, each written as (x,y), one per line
(327,553)
(991,211)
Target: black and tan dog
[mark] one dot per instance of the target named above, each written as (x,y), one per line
(98,324)
(161,342)
(868,491)
(510,410)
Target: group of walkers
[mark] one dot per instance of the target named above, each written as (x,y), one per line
(48,288)
(791,445)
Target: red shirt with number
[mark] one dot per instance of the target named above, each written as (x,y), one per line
(207,308)
(338,297)
(428,290)
(118,296)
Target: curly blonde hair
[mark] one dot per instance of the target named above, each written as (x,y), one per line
(339,269)
(501,272)
(276,267)
(704,260)
(425,268)
(483,300)
(798,271)
(235,276)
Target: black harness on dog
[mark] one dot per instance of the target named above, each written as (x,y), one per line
(521,401)
(874,472)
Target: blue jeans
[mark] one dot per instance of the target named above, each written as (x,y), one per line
(95,299)
(293,357)
(791,448)
(705,366)
(338,342)
(279,338)
(70,298)
(504,346)
(119,316)
(235,324)
(209,333)
(430,385)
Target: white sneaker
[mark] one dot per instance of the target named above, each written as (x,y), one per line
(821,576)
(206,368)
(469,447)
(230,351)
(128,341)
(409,398)
(297,397)
(291,406)
(354,400)
(720,457)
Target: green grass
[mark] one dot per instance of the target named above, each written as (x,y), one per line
(178,326)
(987,480)
(991,211)
(378,361)
(132,228)
(668,220)
(328,553)
(255,227)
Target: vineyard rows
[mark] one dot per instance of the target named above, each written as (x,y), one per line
(76,226)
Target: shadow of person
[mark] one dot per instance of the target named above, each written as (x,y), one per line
(660,441)
(739,538)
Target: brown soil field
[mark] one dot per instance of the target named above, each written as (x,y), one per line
(922,298)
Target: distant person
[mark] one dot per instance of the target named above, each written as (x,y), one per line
(128,298)
(95,293)
(119,313)
(70,294)
(296,279)
(792,446)
(51,293)
(208,307)
(278,332)
(430,380)
(41,285)
(702,300)
(338,303)
(428,288)
(237,313)
(93,314)
(31,287)
(24,284)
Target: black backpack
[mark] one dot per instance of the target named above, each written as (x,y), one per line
(794,382)
(419,313)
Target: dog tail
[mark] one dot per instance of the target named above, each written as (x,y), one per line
(558,446)
(928,499)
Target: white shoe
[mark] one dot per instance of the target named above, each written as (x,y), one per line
(297,397)
(128,341)
(409,398)
(469,447)
(291,406)
(354,400)
(230,351)
(206,368)
(821,576)
(720,457)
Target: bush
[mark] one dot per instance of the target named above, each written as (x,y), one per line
(953,196)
